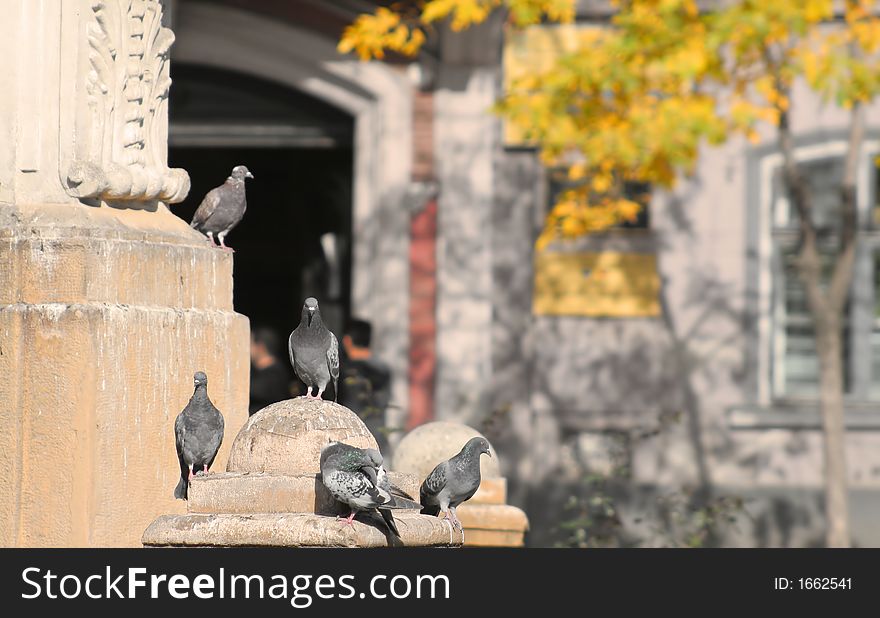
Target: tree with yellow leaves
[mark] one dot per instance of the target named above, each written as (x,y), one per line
(637,100)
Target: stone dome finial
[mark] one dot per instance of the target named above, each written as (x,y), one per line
(429,444)
(287,437)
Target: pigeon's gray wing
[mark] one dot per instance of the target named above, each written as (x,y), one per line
(431,487)
(290,351)
(216,440)
(207,207)
(436,481)
(180,492)
(333,356)
(370,472)
(179,433)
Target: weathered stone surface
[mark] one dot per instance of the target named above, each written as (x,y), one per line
(292,530)
(101,330)
(491,491)
(429,444)
(287,437)
(236,492)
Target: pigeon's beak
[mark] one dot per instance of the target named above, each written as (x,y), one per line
(248,175)
(311,315)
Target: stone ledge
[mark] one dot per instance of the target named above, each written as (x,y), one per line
(492,517)
(491,491)
(146,271)
(292,530)
(493,525)
(263,492)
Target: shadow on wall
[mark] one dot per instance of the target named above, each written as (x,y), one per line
(589,414)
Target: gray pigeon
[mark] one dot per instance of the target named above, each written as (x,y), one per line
(314,351)
(198,432)
(454,481)
(222,207)
(351,474)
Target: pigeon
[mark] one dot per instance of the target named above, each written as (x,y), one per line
(454,481)
(222,207)
(314,351)
(351,475)
(198,432)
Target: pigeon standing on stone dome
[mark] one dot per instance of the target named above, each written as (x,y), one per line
(198,433)
(454,481)
(314,351)
(351,475)
(222,207)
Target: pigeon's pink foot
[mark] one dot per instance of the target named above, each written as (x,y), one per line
(205,469)
(227,249)
(191,475)
(349,521)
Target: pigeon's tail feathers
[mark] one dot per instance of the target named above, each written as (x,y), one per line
(394,490)
(430,505)
(430,509)
(389,521)
(335,391)
(399,502)
(180,492)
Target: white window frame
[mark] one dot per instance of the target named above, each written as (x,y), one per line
(772,347)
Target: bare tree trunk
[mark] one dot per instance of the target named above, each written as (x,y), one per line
(828,338)
(827,312)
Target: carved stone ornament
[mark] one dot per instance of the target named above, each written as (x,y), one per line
(114,120)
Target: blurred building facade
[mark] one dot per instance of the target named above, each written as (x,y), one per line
(679,360)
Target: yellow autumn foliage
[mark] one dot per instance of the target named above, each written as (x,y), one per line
(637,99)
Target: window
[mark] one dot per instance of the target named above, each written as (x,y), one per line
(639,192)
(795,363)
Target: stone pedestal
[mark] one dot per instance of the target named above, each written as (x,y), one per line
(487,519)
(108,302)
(272,495)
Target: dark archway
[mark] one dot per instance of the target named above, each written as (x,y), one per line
(300,152)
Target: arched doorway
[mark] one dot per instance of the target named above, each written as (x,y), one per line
(284,51)
(296,236)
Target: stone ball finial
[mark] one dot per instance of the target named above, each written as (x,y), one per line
(429,444)
(287,437)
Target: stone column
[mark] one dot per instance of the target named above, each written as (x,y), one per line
(466,134)
(108,302)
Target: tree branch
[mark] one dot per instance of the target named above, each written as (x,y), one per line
(809,264)
(841,278)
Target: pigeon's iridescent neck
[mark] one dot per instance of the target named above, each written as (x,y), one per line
(201,392)
(315,321)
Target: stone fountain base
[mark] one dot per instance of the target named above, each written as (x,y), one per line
(271,494)
(292,530)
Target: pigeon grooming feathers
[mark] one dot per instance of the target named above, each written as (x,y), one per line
(454,481)
(198,432)
(222,207)
(357,478)
(314,351)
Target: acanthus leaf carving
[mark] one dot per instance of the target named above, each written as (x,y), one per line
(117,145)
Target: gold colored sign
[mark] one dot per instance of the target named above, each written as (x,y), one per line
(606,284)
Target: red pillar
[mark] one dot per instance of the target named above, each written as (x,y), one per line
(422,271)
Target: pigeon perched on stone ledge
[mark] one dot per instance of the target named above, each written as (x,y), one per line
(222,207)
(351,475)
(454,481)
(314,351)
(198,432)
